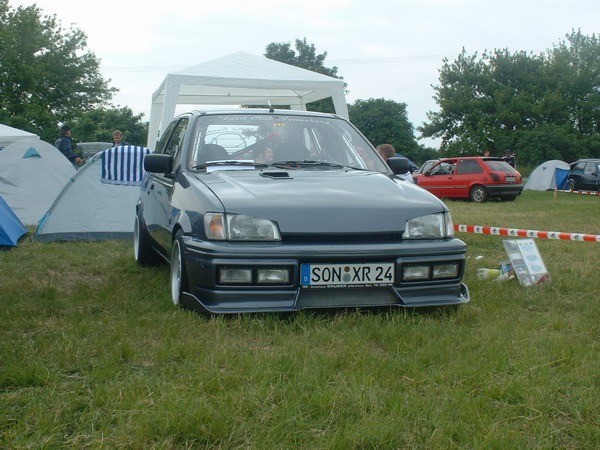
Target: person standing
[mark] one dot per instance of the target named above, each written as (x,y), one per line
(510,159)
(65,144)
(118,138)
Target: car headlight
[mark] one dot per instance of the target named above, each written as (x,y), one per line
(239,227)
(431,226)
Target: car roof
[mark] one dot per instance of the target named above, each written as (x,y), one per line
(484,158)
(260,111)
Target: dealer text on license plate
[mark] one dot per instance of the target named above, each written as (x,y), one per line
(347,275)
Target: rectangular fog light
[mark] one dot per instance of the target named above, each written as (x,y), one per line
(445,270)
(273,276)
(412,273)
(235,275)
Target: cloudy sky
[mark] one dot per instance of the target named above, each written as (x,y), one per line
(382,48)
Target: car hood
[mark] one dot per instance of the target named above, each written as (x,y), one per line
(322,201)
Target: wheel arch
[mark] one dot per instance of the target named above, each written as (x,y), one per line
(182,223)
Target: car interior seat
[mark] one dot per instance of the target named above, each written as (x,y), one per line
(214,152)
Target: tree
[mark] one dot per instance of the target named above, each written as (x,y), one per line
(99,124)
(540,106)
(386,121)
(307,58)
(47,76)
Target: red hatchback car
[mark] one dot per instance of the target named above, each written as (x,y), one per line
(473,177)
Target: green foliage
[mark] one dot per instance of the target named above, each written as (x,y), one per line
(386,122)
(540,106)
(98,125)
(304,56)
(46,74)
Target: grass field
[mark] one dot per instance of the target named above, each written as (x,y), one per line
(92,354)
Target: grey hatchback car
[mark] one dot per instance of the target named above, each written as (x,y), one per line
(259,210)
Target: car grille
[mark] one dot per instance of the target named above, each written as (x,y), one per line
(341,238)
(340,298)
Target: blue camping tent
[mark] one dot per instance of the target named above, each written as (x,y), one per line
(11,228)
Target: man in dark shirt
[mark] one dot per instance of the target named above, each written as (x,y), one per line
(510,158)
(65,145)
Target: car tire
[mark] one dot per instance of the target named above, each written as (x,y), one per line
(571,185)
(177,276)
(478,194)
(143,252)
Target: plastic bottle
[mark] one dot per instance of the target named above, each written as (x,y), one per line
(484,273)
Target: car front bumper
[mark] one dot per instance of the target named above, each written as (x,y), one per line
(203,260)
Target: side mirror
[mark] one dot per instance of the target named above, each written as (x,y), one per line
(158,163)
(398,165)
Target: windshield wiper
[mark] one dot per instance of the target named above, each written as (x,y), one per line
(307,163)
(229,163)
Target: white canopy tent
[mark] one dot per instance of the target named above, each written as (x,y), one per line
(8,135)
(241,79)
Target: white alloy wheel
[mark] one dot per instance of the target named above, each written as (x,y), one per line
(136,239)
(176,272)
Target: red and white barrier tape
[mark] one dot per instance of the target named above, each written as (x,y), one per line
(515,232)
(579,192)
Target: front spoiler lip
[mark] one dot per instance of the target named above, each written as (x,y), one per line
(191,301)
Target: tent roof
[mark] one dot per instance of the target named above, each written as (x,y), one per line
(8,135)
(242,79)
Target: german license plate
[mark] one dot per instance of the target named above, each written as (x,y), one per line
(347,275)
(510,179)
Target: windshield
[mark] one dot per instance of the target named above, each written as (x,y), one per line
(500,166)
(261,139)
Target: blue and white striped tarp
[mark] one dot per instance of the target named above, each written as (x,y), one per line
(124,165)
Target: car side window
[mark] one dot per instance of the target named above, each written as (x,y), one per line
(589,168)
(467,166)
(175,144)
(164,139)
(579,168)
(443,168)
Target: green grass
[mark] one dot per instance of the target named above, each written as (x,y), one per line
(92,354)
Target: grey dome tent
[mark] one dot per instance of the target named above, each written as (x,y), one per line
(32,174)
(241,79)
(548,175)
(99,202)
